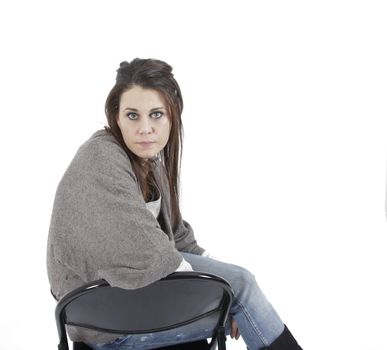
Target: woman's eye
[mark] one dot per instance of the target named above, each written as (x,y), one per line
(133,116)
(160,114)
(130,114)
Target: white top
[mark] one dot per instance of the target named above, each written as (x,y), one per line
(154,206)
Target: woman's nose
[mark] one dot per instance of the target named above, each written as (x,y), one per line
(145,126)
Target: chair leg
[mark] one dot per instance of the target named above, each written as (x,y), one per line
(221,338)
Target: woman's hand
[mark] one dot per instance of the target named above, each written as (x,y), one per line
(234,329)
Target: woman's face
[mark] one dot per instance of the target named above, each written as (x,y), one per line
(143,121)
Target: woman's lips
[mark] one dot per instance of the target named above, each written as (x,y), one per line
(145,144)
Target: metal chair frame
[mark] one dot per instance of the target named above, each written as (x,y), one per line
(179,299)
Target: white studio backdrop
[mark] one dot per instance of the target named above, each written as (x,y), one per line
(285,151)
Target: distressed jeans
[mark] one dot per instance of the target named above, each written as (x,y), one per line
(258,322)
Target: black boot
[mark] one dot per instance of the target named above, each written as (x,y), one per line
(285,341)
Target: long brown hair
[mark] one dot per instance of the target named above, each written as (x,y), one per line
(157,75)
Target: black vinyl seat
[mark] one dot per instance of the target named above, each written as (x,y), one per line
(179,299)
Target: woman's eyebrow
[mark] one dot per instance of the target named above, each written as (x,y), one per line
(136,110)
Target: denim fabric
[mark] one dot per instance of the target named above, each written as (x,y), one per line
(258,322)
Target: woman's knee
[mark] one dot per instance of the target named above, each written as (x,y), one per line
(242,277)
(238,276)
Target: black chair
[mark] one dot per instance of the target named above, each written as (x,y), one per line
(176,300)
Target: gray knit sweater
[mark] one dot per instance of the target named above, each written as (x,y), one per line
(101,228)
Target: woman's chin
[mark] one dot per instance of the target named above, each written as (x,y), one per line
(146,157)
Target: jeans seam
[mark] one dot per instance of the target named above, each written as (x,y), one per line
(250,319)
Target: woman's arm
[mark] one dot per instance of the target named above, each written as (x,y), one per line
(185,239)
(100,225)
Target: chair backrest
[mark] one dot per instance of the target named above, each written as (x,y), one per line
(176,300)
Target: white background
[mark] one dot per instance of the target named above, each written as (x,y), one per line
(284,161)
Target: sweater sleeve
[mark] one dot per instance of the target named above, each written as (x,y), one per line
(102,226)
(185,240)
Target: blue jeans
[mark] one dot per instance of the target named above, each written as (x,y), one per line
(258,322)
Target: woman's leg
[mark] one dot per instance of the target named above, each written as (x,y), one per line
(202,329)
(258,322)
(198,331)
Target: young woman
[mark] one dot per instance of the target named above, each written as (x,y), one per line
(116,216)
